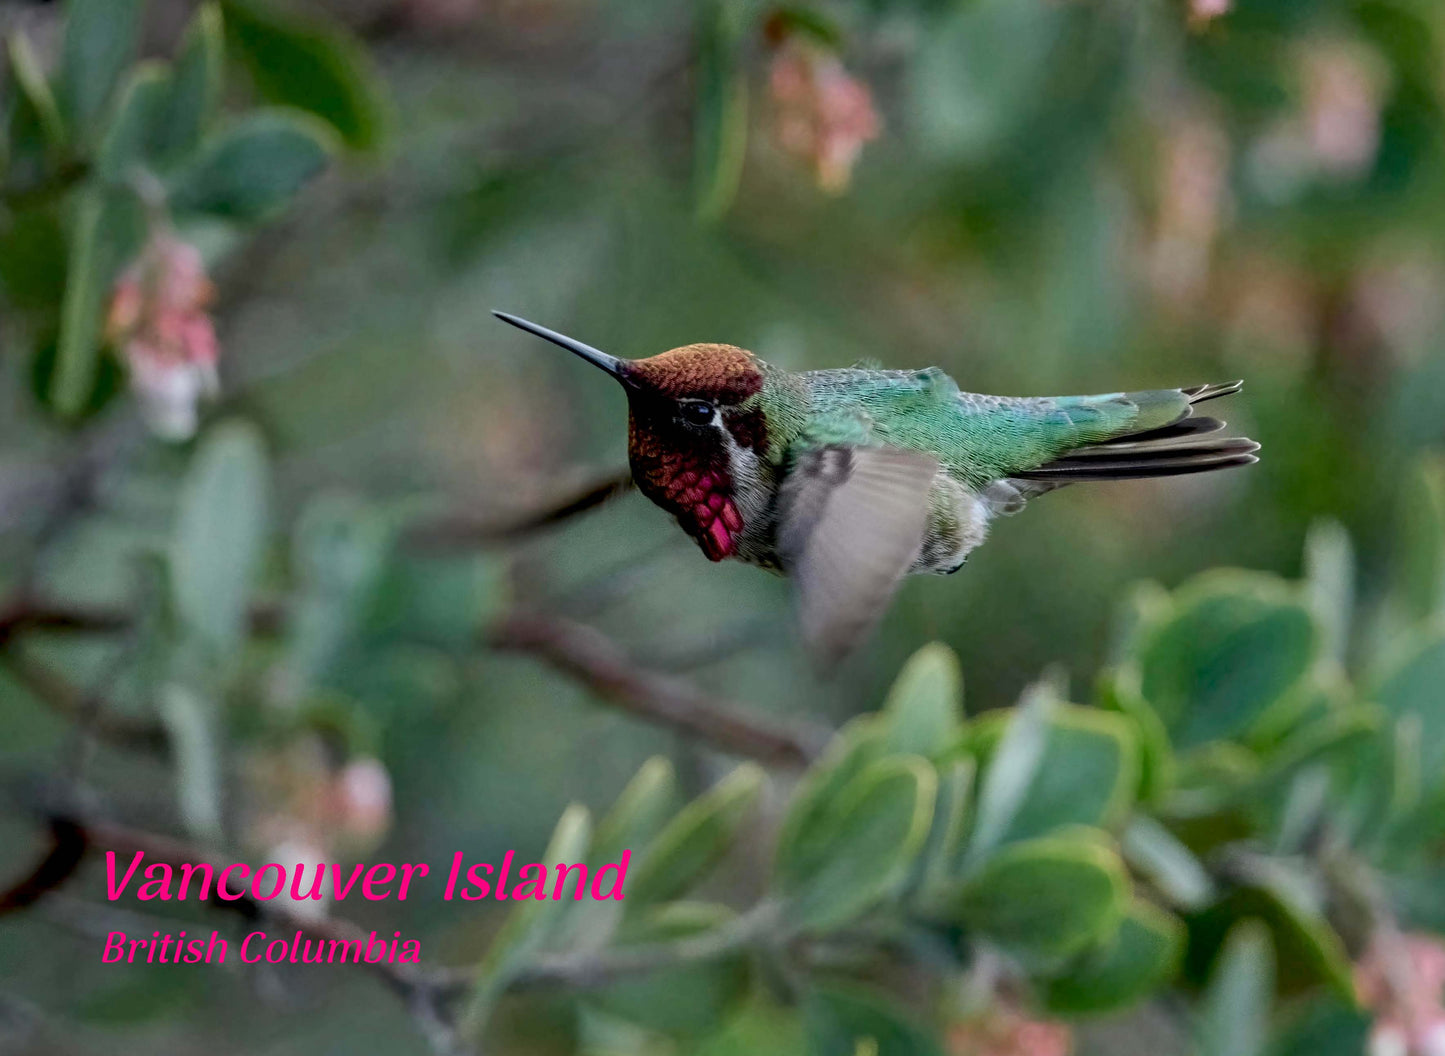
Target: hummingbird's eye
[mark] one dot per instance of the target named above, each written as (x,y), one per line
(696,412)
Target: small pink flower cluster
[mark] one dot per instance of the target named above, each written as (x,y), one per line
(1005,1031)
(307,806)
(1193,195)
(159,321)
(1203,12)
(1401,978)
(1333,135)
(822,114)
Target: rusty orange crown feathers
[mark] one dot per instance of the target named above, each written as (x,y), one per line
(684,471)
(723,373)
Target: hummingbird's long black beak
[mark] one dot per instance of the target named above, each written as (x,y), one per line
(598,358)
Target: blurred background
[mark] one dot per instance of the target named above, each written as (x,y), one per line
(1039,196)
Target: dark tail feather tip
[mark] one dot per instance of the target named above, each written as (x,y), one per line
(1200,393)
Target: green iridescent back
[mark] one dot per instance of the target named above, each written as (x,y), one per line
(978,438)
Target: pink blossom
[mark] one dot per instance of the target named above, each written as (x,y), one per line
(303,794)
(1192,195)
(361,799)
(158,320)
(1334,134)
(1004,1031)
(1203,12)
(1401,978)
(1342,84)
(822,114)
(1400,294)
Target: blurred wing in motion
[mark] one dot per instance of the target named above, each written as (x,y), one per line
(852,523)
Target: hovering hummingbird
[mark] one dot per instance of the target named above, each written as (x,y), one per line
(847,480)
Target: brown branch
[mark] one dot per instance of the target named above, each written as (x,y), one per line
(595,660)
(572,648)
(59,864)
(74,703)
(459,531)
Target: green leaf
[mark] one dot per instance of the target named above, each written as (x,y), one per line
(196,85)
(312,66)
(882,819)
(109,381)
(851,1021)
(1138,959)
(339,550)
(693,841)
(1338,733)
(1046,899)
(721,123)
(1235,649)
(1419,579)
(1235,1017)
(34,129)
(1326,1026)
(1146,605)
(107,232)
(639,813)
(1118,690)
(253,168)
(924,709)
(220,534)
(1330,584)
(441,599)
(943,850)
(807,829)
(100,42)
(528,926)
(1311,954)
(1088,774)
(1153,850)
(32,261)
(190,723)
(687,1000)
(131,134)
(1411,685)
(1010,771)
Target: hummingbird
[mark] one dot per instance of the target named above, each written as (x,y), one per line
(846,480)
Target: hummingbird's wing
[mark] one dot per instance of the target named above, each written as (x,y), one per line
(851,523)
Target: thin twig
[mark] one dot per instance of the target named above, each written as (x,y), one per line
(57,866)
(80,706)
(575,649)
(595,660)
(460,531)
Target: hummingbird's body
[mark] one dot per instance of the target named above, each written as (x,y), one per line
(848,479)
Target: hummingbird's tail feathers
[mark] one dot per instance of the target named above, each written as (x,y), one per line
(1200,393)
(1110,462)
(1184,421)
(1187,426)
(1181,444)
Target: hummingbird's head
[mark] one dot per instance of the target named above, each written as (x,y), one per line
(694,425)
